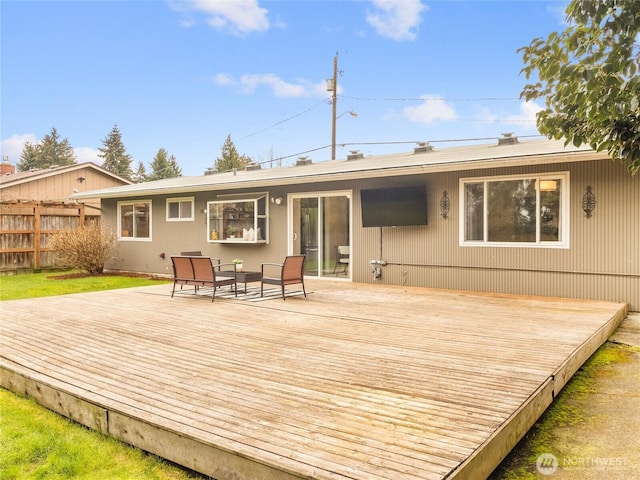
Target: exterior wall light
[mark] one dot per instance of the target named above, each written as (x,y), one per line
(588,201)
(445,205)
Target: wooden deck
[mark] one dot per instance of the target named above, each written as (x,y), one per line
(354,382)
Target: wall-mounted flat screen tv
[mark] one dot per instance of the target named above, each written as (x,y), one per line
(394,207)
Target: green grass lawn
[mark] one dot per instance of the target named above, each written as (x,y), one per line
(45,284)
(36,443)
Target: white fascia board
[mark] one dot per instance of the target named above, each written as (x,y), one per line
(330,171)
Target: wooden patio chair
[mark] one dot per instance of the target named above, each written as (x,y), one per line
(288,273)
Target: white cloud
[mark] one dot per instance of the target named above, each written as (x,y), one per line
(249,83)
(396,19)
(433,108)
(238,17)
(280,88)
(87,154)
(224,79)
(486,115)
(527,115)
(12,147)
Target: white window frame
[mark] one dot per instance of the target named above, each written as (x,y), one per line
(565,211)
(180,200)
(133,238)
(292,231)
(242,198)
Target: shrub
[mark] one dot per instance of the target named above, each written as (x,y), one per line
(86,248)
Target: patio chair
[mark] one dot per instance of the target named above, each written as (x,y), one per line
(288,273)
(198,253)
(344,255)
(182,273)
(204,273)
(200,272)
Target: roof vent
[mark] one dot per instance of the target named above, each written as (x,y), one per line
(355,155)
(211,171)
(303,161)
(508,139)
(253,166)
(423,147)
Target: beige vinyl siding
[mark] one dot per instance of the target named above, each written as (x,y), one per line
(60,187)
(602,261)
(171,238)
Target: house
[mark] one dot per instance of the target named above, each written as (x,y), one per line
(36,203)
(55,184)
(525,217)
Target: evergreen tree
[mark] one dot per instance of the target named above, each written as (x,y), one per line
(140,175)
(174,168)
(230,158)
(51,151)
(164,166)
(30,157)
(116,158)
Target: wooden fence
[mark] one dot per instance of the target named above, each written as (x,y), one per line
(25,229)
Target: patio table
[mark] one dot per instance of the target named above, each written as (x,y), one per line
(242,277)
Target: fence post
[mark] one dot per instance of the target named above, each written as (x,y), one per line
(36,236)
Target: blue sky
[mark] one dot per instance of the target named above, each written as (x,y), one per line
(182,75)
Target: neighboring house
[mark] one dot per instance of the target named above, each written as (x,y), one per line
(531,218)
(37,203)
(56,184)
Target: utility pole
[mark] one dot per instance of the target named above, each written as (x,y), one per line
(334,104)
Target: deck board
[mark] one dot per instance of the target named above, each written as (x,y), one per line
(354,382)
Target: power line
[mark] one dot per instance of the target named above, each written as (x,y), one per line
(283,121)
(442,140)
(293,155)
(494,120)
(408,99)
(441,99)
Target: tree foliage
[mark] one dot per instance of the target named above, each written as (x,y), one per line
(49,152)
(230,158)
(114,154)
(140,175)
(589,78)
(164,166)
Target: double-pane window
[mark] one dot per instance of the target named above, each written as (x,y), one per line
(527,211)
(179,209)
(134,220)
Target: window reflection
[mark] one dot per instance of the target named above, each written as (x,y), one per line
(514,210)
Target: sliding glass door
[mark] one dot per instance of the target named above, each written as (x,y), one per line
(319,224)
